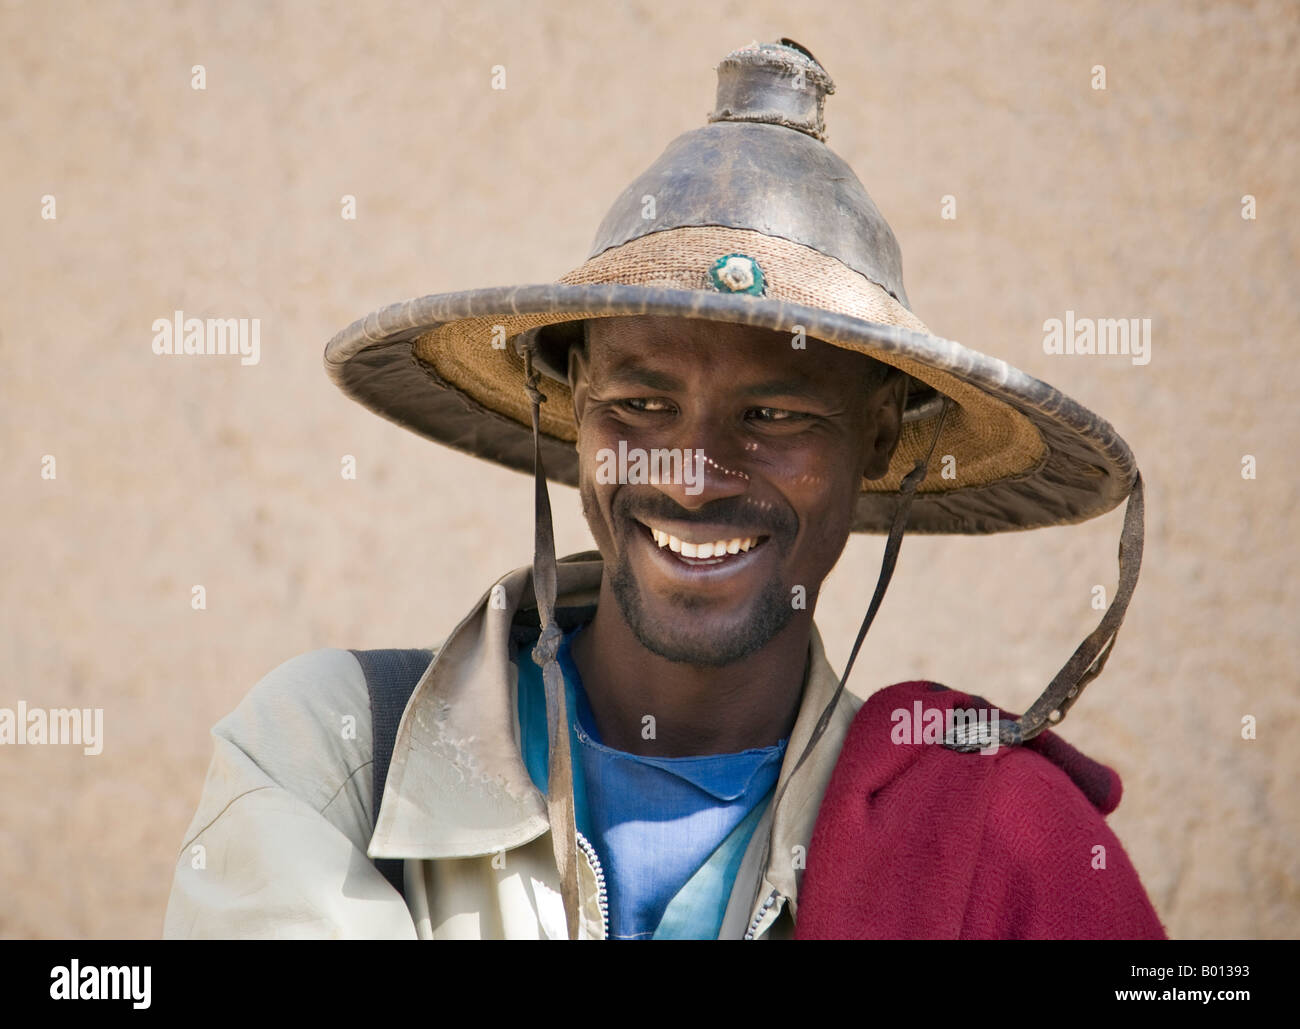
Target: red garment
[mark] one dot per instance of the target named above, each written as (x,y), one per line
(915,841)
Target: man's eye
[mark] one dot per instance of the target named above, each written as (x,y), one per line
(776,414)
(650,404)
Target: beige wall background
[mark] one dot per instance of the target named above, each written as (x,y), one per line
(225,202)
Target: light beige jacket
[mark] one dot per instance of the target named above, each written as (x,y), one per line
(279,845)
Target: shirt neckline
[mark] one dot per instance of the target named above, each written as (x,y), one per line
(585,724)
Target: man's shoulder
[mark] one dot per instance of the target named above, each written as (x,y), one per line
(1007,844)
(306,723)
(277,845)
(309,691)
(898,732)
(316,685)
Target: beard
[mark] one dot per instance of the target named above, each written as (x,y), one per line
(680,637)
(770,612)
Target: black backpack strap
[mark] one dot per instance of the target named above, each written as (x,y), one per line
(391,676)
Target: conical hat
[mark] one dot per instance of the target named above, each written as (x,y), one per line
(749,219)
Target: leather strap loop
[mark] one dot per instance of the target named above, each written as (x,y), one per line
(1090,657)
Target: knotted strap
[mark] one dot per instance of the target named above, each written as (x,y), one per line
(559,776)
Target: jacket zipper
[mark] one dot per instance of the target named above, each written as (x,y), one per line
(601,897)
(762,913)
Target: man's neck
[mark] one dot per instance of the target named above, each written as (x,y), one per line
(647,705)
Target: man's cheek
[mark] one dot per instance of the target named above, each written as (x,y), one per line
(815,541)
(591,509)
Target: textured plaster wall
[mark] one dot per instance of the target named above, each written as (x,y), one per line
(1123,202)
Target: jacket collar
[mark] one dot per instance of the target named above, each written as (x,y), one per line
(457,784)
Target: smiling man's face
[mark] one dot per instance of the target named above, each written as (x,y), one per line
(787,435)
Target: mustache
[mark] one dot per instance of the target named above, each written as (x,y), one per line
(777,520)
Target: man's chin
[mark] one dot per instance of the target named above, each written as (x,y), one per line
(687,629)
(700,652)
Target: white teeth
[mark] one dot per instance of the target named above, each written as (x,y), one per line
(701,550)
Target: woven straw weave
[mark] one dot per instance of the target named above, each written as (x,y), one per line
(988,439)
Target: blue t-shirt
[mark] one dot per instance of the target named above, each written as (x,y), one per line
(670,832)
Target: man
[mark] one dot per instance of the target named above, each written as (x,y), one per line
(648,741)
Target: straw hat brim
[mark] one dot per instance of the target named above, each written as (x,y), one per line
(1014,453)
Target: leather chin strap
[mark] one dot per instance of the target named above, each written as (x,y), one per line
(1084,665)
(893,543)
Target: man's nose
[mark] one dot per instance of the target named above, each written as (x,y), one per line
(714,465)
